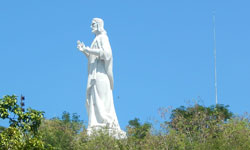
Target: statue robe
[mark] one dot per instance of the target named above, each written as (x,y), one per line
(99,96)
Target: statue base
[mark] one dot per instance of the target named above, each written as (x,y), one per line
(113,132)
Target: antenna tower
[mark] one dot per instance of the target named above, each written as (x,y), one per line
(215,73)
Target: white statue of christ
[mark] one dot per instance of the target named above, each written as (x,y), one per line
(99,95)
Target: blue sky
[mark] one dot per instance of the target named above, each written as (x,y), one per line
(162,50)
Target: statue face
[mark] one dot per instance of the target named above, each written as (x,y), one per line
(94,27)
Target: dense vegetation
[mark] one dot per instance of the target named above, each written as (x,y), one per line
(195,127)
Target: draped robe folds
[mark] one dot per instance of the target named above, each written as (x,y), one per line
(99,95)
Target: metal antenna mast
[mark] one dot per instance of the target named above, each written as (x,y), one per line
(215,73)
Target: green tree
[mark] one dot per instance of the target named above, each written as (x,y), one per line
(2,129)
(22,134)
(62,133)
(138,130)
(196,125)
(214,113)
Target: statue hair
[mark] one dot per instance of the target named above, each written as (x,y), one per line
(100,25)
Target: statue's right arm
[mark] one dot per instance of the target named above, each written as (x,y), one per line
(92,51)
(85,53)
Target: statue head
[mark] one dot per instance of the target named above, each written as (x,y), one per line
(97,26)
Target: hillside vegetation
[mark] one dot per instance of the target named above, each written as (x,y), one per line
(194,127)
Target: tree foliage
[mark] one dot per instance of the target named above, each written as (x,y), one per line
(2,129)
(61,133)
(22,134)
(138,130)
(189,128)
(198,115)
